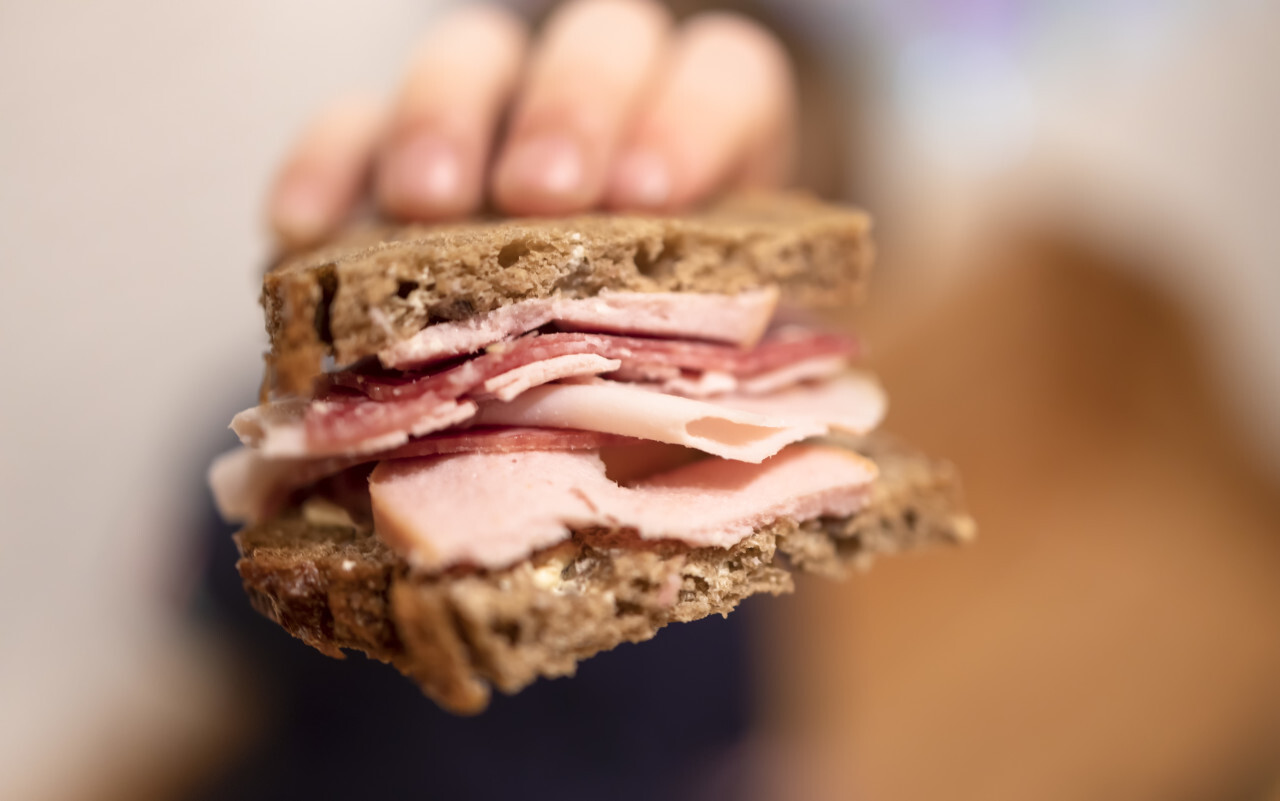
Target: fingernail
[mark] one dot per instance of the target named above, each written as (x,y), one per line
(642,179)
(302,210)
(551,165)
(423,174)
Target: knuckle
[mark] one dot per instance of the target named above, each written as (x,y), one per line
(650,10)
(486,16)
(349,119)
(468,36)
(412,123)
(646,8)
(746,37)
(576,112)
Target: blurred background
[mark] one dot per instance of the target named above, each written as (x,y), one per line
(1078,302)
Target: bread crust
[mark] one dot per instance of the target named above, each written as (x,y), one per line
(378,285)
(460,634)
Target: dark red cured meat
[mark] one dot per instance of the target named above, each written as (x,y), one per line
(455,382)
(342,421)
(395,402)
(504,439)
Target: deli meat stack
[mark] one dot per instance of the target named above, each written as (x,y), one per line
(611,423)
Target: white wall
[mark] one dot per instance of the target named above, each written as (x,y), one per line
(136,139)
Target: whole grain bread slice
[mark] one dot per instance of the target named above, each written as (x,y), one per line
(378,285)
(461,634)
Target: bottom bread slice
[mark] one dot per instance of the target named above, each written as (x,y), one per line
(462,633)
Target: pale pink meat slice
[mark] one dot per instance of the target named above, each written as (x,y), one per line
(747,429)
(852,402)
(733,426)
(738,319)
(616,408)
(249,487)
(281,429)
(492,510)
(805,370)
(360,410)
(713,383)
(512,383)
(639,356)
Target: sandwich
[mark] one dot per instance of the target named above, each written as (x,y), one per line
(484,452)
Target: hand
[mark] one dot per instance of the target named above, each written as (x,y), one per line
(612,106)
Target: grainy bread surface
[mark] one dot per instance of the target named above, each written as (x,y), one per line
(463,633)
(379,285)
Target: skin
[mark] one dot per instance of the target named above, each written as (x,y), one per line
(610,106)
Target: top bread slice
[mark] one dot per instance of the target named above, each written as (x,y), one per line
(378,285)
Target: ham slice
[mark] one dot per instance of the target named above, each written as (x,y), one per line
(705,384)
(711,383)
(641,356)
(366,412)
(512,383)
(853,403)
(341,421)
(248,487)
(737,319)
(492,510)
(620,409)
(740,428)
(352,426)
(736,427)
(810,369)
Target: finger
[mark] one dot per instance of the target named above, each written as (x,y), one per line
(588,74)
(723,112)
(323,176)
(442,127)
